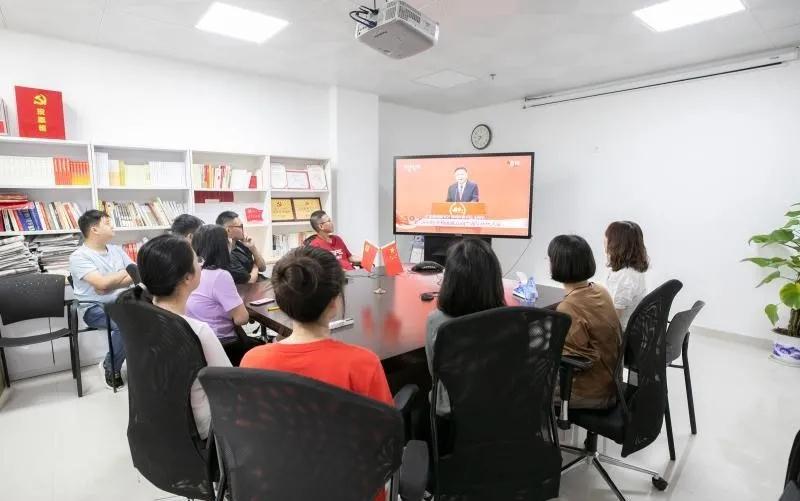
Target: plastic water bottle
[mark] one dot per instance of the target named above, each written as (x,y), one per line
(531,294)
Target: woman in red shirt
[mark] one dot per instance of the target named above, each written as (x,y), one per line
(308,285)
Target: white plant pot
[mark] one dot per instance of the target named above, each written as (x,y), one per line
(786,350)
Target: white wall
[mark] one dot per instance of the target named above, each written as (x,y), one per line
(404,131)
(701,166)
(354,148)
(123,98)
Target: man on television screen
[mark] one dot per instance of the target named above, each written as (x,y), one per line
(463,190)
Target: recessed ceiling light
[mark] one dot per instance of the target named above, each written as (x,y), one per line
(445,79)
(239,23)
(673,14)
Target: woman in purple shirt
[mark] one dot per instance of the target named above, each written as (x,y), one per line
(216,301)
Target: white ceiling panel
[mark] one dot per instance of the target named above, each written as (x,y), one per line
(533,46)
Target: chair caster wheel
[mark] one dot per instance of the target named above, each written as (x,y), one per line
(659,483)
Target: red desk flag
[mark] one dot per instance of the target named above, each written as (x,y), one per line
(368,256)
(391,259)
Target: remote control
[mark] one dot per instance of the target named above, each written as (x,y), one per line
(262,301)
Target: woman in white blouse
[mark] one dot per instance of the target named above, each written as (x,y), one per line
(627,258)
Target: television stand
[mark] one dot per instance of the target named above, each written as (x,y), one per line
(436,246)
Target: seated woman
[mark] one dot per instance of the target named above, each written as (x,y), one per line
(627,258)
(216,301)
(595,329)
(170,272)
(308,286)
(472,282)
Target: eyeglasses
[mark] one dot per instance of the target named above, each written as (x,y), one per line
(240,226)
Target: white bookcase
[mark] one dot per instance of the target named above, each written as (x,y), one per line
(46,358)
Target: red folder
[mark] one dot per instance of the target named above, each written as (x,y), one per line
(391,259)
(368,256)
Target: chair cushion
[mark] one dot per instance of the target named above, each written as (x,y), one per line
(609,423)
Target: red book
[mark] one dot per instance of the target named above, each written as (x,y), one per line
(40,113)
(368,256)
(391,259)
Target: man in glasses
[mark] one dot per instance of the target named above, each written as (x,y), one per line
(246,260)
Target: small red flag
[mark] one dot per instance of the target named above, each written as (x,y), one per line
(391,259)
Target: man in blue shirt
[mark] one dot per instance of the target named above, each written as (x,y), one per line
(98,274)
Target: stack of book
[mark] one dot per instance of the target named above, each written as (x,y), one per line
(44,171)
(141,215)
(132,248)
(15,257)
(25,215)
(225,177)
(284,242)
(53,251)
(152,174)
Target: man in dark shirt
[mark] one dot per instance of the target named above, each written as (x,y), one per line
(246,260)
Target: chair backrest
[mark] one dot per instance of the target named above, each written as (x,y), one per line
(499,368)
(644,347)
(25,297)
(284,436)
(164,356)
(679,328)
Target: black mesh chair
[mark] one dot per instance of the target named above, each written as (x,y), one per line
(284,436)
(499,368)
(28,297)
(636,419)
(791,491)
(164,356)
(74,323)
(678,346)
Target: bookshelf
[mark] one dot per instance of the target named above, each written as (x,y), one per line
(221,181)
(290,234)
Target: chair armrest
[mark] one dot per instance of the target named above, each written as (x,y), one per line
(405,397)
(568,367)
(414,471)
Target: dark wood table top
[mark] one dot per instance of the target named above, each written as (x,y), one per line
(390,324)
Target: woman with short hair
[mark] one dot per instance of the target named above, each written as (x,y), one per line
(595,329)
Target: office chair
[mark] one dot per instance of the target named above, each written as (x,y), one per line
(284,436)
(635,420)
(678,346)
(74,322)
(164,356)
(791,490)
(499,368)
(27,297)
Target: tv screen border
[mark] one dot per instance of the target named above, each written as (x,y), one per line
(461,155)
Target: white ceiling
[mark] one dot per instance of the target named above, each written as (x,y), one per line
(534,46)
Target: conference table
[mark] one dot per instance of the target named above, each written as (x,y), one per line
(391,324)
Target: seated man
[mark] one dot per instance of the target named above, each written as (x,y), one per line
(98,274)
(185,225)
(246,260)
(326,240)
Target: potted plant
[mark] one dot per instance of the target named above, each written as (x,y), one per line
(784,267)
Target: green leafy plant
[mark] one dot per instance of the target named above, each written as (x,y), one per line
(783,268)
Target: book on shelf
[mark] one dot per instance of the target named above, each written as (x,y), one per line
(117,173)
(142,214)
(44,171)
(40,216)
(16,257)
(282,243)
(132,248)
(225,177)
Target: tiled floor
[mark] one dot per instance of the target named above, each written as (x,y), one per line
(54,446)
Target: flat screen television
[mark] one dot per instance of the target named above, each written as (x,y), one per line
(489,195)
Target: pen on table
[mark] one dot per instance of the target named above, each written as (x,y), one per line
(273,308)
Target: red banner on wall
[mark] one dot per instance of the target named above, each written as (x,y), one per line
(40,113)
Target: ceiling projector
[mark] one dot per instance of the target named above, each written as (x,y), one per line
(397,29)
